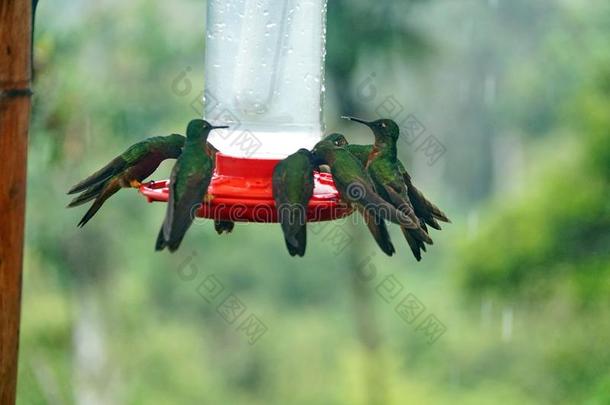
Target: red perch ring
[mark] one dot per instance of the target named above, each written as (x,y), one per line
(241,191)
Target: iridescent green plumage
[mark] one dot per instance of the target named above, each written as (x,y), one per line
(424,208)
(393,183)
(376,226)
(354,183)
(126,170)
(188,184)
(293,185)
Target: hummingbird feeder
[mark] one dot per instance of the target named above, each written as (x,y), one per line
(264,78)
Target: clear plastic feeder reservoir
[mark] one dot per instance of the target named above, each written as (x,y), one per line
(264,75)
(264,78)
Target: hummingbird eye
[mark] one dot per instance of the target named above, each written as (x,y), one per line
(384,125)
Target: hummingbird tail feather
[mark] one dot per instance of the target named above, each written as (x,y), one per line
(415,244)
(429,209)
(174,243)
(404,205)
(160,244)
(108,191)
(371,201)
(292,218)
(378,229)
(301,238)
(223,226)
(87,195)
(294,250)
(433,223)
(175,227)
(171,241)
(100,176)
(296,240)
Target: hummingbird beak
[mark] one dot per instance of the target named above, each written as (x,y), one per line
(368,124)
(220,127)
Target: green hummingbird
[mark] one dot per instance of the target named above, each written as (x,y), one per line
(424,208)
(124,171)
(188,184)
(354,184)
(376,226)
(293,184)
(382,165)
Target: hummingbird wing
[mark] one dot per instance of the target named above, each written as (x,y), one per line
(103,190)
(356,186)
(297,242)
(106,192)
(115,166)
(378,229)
(393,188)
(373,202)
(136,163)
(183,212)
(415,244)
(149,152)
(181,209)
(188,185)
(424,209)
(292,185)
(87,195)
(401,201)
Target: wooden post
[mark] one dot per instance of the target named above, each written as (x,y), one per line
(15,78)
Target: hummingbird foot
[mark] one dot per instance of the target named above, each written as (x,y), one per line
(135,184)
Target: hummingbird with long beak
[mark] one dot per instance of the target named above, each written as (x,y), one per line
(127,170)
(376,226)
(382,165)
(424,208)
(355,186)
(188,185)
(293,184)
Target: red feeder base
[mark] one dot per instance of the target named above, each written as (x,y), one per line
(241,191)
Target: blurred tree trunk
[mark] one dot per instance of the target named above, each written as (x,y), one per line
(15,78)
(94,382)
(94,372)
(365,318)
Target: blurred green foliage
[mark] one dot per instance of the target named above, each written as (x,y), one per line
(520,280)
(548,249)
